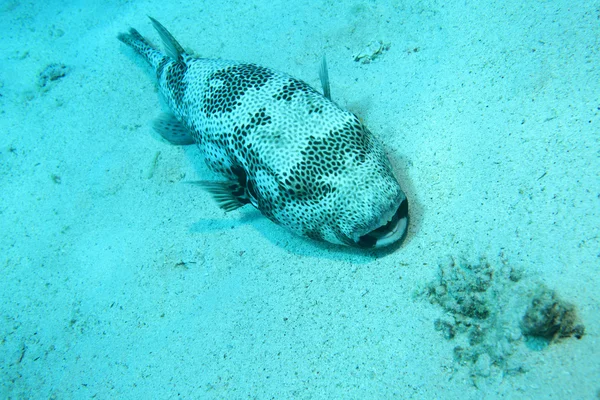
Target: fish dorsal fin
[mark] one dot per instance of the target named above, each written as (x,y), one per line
(324,75)
(172,47)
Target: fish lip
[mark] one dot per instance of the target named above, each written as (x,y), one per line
(393,230)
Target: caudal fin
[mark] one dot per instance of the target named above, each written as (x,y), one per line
(142,46)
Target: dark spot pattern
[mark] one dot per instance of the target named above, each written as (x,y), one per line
(292,87)
(239,141)
(353,140)
(325,158)
(161,66)
(227,86)
(175,81)
(315,108)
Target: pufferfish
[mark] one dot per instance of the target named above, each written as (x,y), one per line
(300,159)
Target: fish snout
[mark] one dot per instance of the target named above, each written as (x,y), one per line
(390,228)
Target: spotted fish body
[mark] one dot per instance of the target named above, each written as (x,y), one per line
(291,152)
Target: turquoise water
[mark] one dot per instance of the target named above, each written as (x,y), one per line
(120,281)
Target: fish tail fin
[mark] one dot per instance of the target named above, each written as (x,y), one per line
(142,46)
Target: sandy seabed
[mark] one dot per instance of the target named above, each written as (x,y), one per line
(120,281)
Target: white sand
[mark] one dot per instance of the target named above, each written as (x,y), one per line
(120,281)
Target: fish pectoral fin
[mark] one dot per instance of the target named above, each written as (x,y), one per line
(169,127)
(229,195)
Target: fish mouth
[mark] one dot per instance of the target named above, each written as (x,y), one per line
(391,231)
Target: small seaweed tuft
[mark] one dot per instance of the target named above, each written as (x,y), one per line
(491,314)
